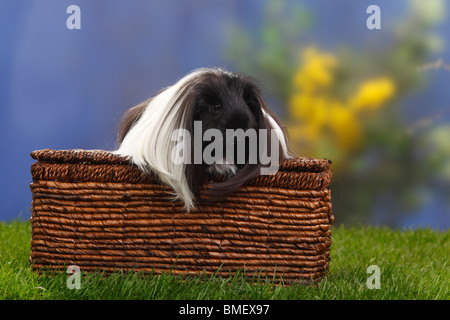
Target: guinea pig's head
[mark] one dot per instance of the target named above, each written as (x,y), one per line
(233,105)
(228,102)
(218,101)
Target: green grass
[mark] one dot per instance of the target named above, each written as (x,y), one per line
(413,265)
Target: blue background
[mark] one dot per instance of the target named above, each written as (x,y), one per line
(66,89)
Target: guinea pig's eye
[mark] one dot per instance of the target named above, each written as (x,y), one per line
(217,107)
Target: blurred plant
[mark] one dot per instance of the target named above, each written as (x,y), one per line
(345,106)
(271,53)
(318,114)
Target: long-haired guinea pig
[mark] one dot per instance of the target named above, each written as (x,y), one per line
(208,114)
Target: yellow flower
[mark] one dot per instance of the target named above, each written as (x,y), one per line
(305,106)
(373,94)
(345,126)
(319,111)
(320,121)
(299,105)
(316,70)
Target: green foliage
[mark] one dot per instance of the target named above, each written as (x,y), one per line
(270,54)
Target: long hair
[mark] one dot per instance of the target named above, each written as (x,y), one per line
(220,100)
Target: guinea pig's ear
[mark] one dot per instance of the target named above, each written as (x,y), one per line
(252,96)
(271,121)
(129,119)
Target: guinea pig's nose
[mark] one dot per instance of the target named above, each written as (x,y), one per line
(241,120)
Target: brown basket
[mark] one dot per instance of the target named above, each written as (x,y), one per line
(95,210)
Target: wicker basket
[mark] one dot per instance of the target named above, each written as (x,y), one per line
(99,212)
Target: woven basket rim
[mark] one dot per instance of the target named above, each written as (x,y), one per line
(67,156)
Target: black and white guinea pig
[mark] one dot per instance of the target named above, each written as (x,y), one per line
(207,105)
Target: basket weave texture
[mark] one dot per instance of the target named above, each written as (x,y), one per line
(98,211)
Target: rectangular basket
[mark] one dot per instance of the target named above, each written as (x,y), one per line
(95,210)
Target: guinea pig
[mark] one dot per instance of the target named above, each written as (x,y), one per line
(216,122)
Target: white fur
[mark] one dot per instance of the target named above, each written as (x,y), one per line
(279,133)
(223,169)
(149,144)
